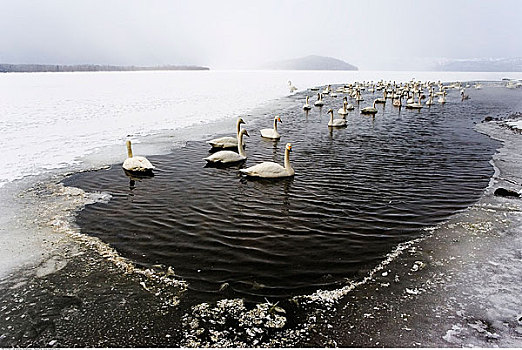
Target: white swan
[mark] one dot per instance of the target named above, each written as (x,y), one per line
(442,98)
(398,101)
(319,102)
(430,99)
(272,133)
(463,96)
(343,111)
(307,106)
(326,90)
(136,164)
(229,157)
(227,141)
(370,110)
(417,105)
(336,123)
(383,98)
(291,87)
(272,170)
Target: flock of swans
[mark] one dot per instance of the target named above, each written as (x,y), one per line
(413,91)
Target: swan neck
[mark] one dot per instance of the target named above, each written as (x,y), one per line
(275,124)
(240,147)
(129,149)
(288,167)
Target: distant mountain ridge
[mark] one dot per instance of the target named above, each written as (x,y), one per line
(482,65)
(30,68)
(311,62)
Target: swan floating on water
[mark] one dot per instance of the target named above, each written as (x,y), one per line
(227,141)
(336,123)
(136,164)
(319,102)
(343,111)
(442,98)
(230,157)
(307,106)
(272,133)
(463,96)
(416,105)
(370,110)
(271,170)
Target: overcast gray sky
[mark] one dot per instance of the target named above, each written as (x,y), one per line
(234,33)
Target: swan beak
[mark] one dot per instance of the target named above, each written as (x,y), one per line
(246,133)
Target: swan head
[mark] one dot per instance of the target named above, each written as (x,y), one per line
(278,118)
(289,146)
(241,121)
(330,111)
(244,132)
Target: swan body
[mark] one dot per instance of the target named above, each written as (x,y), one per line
(272,133)
(319,101)
(229,157)
(136,164)
(227,141)
(271,170)
(370,110)
(307,106)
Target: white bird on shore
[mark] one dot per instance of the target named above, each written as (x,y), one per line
(272,133)
(227,141)
(271,170)
(307,106)
(319,102)
(291,87)
(336,123)
(230,157)
(370,110)
(136,164)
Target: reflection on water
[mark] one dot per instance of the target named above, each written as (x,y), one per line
(357,192)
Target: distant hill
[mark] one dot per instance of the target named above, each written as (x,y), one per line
(310,63)
(482,65)
(27,68)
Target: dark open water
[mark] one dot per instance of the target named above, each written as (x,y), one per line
(357,193)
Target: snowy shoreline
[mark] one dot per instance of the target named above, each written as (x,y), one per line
(64,252)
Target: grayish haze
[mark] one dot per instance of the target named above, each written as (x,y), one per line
(242,34)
